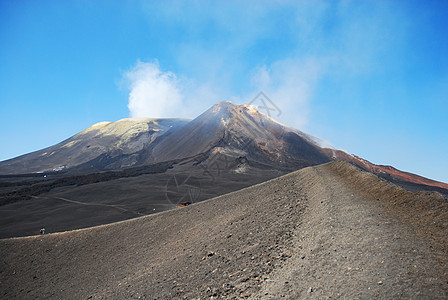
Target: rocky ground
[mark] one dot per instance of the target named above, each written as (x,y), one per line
(330,231)
(104,198)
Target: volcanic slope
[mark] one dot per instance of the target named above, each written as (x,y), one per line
(329,230)
(226,148)
(240,130)
(107,145)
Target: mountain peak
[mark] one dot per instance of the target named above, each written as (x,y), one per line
(222,107)
(237,130)
(227,110)
(224,103)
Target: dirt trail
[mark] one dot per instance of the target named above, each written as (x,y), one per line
(326,231)
(119,207)
(349,245)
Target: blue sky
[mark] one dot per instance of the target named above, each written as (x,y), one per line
(371,77)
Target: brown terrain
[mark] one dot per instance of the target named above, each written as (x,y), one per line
(327,231)
(115,171)
(387,172)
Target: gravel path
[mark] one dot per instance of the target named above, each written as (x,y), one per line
(349,245)
(326,231)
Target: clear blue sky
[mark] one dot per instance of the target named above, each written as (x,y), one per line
(371,77)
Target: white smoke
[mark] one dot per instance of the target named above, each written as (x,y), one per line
(290,85)
(152,92)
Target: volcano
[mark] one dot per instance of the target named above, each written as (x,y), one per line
(226,128)
(232,204)
(117,144)
(119,170)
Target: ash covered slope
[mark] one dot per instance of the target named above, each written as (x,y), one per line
(330,230)
(235,131)
(407,180)
(226,128)
(227,148)
(122,140)
(240,130)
